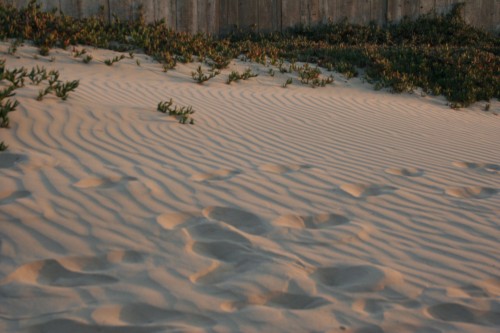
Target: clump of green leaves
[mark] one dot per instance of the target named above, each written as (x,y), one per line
(63,89)
(38,75)
(77,53)
(3,146)
(6,108)
(87,59)
(235,76)
(15,76)
(287,82)
(44,50)
(13,46)
(200,77)
(7,92)
(183,114)
(110,62)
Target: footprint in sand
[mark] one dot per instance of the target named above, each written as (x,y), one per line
(454,312)
(240,219)
(319,221)
(359,278)
(103,182)
(471,192)
(81,326)
(278,299)
(231,249)
(9,160)
(9,197)
(360,191)
(172,221)
(223,174)
(480,167)
(53,273)
(281,169)
(225,251)
(146,314)
(404,172)
(479,289)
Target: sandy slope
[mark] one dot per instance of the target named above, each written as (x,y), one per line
(336,209)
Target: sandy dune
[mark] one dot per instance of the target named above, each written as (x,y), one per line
(337,209)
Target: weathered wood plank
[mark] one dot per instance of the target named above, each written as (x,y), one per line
(248,17)
(221,16)
(290,13)
(267,15)
(187,15)
(228,16)
(378,11)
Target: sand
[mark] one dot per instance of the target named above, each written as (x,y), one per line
(336,209)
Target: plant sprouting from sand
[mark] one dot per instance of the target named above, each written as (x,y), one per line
(5,109)
(183,114)
(200,77)
(77,53)
(38,75)
(3,146)
(53,77)
(7,92)
(43,92)
(15,76)
(63,89)
(287,82)
(13,46)
(111,61)
(87,59)
(44,50)
(235,76)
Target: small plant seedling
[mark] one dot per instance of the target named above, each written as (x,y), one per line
(13,46)
(43,92)
(131,55)
(77,53)
(44,50)
(5,109)
(110,62)
(63,89)
(487,107)
(164,107)
(7,92)
(236,76)
(200,77)
(183,114)
(288,81)
(52,59)
(3,146)
(87,59)
(16,76)
(321,82)
(53,77)
(137,61)
(271,72)
(307,73)
(37,75)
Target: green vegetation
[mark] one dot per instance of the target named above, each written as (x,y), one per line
(16,78)
(183,114)
(236,76)
(200,77)
(110,62)
(441,54)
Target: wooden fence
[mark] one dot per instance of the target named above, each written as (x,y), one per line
(221,16)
